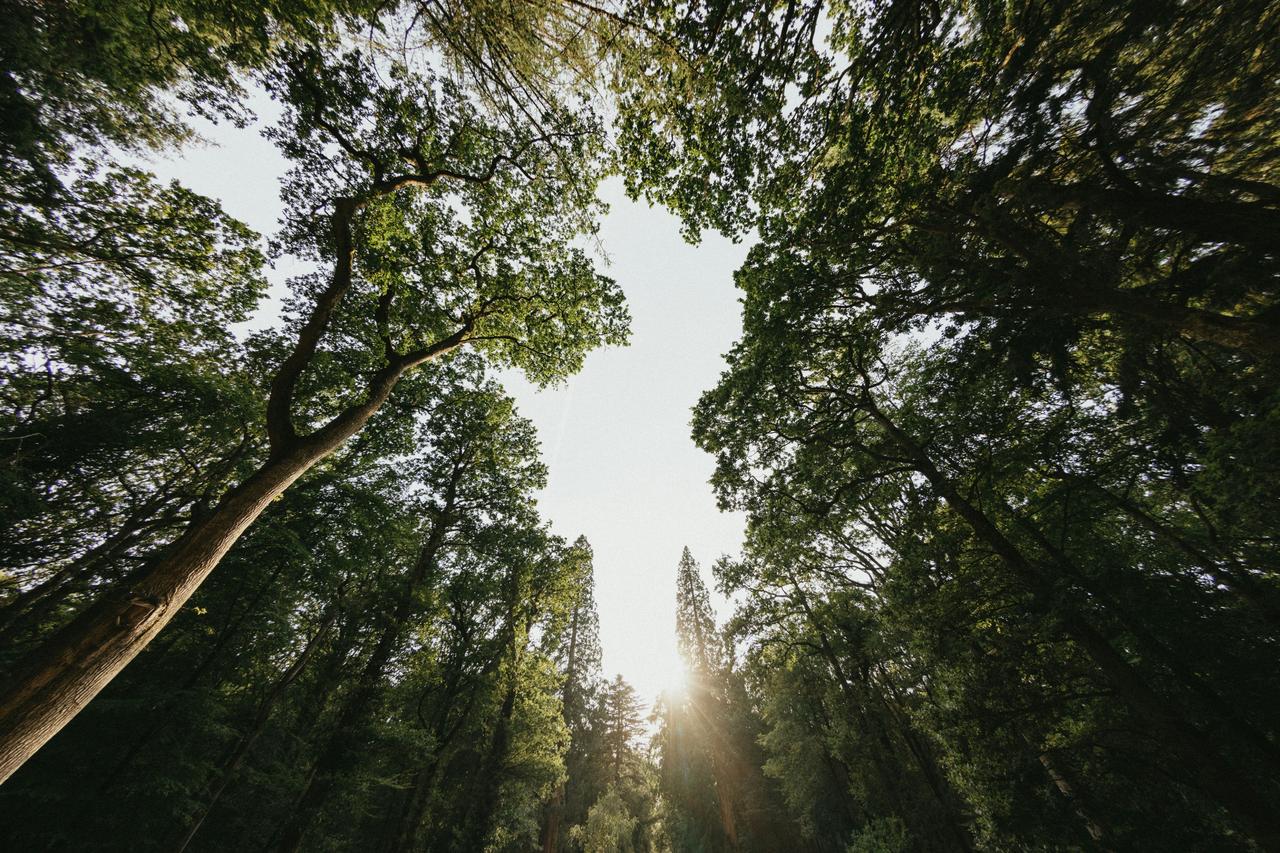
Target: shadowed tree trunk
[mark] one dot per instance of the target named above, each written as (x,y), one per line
(250,736)
(1241,794)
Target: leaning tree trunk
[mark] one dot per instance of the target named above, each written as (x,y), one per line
(1242,795)
(68,671)
(64,674)
(213,793)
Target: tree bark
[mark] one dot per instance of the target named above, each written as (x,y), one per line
(551,825)
(1236,579)
(415,805)
(553,813)
(1067,790)
(161,713)
(63,675)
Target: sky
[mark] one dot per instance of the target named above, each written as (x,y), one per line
(624,471)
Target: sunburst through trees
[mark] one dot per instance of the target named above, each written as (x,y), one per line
(1003,422)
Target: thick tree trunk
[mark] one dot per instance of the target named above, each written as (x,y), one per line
(1247,223)
(1259,339)
(161,713)
(1072,291)
(552,815)
(62,676)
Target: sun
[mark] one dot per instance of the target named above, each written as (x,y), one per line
(675,682)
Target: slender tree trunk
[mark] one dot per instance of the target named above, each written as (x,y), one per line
(1191,681)
(414,808)
(934,778)
(338,747)
(554,811)
(30,604)
(1237,791)
(416,804)
(1068,792)
(365,693)
(250,736)
(719,754)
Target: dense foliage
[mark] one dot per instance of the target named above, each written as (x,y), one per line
(1003,415)
(1004,420)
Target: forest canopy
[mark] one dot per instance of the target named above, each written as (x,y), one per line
(1003,422)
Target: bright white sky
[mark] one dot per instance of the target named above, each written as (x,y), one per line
(623,469)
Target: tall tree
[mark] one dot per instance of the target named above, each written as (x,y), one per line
(410,281)
(578,656)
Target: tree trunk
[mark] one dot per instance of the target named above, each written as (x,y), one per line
(554,811)
(1236,579)
(419,798)
(551,825)
(1236,791)
(161,713)
(246,741)
(937,783)
(1067,790)
(1258,338)
(1075,294)
(414,808)
(63,675)
(1191,681)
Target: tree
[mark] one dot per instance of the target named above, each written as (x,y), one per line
(711,778)
(1025,194)
(578,655)
(504,282)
